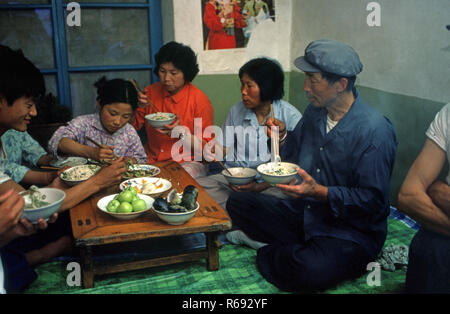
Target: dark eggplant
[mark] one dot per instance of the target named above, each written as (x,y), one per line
(161,205)
(189,198)
(177,209)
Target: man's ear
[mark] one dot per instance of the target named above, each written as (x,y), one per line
(341,84)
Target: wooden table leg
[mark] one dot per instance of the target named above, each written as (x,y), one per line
(87,267)
(213,250)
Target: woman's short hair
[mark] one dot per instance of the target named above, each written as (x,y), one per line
(181,56)
(269,76)
(116,90)
(19,77)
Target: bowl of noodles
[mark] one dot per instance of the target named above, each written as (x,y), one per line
(240,175)
(41,203)
(159,119)
(78,174)
(277,172)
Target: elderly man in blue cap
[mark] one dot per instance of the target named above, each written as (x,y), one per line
(336,221)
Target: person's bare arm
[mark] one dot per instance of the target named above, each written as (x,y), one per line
(413,198)
(45,160)
(39,177)
(440,195)
(104,178)
(71,147)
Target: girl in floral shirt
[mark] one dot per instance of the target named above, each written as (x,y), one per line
(117,101)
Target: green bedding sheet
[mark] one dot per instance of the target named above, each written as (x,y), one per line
(237,275)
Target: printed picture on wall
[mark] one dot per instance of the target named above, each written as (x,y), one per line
(229,24)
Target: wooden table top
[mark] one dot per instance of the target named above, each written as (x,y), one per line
(91,226)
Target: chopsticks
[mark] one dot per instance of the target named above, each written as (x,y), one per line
(275,140)
(220,163)
(135,84)
(93,142)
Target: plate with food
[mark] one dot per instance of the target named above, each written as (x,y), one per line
(68,161)
(78,174)
(137,170)
(147,185)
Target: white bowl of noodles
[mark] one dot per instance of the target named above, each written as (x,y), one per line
(42,203)
(277,173)
(159,119)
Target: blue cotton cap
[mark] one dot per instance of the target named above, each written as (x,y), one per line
(327,55)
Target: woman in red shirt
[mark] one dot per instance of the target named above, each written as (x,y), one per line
(176,65)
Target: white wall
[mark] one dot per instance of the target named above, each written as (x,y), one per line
(409,54)
(271,39)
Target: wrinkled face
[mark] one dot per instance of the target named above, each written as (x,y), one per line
(250,92)
(319,92)
(171,77)
(17,116)
(114,116)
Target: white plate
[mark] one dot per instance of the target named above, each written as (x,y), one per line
(157,185)
(103,202)
(154,170)
(68,161)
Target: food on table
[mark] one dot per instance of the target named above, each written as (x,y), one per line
(151,187)
(126,201)
(80,173)
(188,201)
(136,171)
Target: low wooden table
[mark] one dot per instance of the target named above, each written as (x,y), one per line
(92,227)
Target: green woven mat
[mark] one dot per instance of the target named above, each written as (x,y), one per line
(237,275)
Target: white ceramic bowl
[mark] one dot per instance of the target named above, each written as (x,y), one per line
(277,179)
(53,196)
(158,123)
(69,175)
(176,219)
(155,186)
(240,176)
(103,202)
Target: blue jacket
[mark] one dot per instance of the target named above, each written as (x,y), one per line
(355,161)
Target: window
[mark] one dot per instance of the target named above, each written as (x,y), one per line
(116,38)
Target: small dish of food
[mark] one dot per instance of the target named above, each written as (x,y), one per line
(277,172)
(240,175)
(137,171)
(78,174)
(159,119)
(41,202)
(147,185)
(177,208)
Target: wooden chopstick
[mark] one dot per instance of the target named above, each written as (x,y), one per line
(271,112)
(135,84)
(93,142)
(220,163)
(49,168)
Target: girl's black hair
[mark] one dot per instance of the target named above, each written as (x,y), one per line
(116,90)
(181,56)
(269,76)
(19,77)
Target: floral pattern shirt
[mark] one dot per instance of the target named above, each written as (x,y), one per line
(126,141)
(22,152)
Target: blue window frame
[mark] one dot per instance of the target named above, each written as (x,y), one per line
(62,68)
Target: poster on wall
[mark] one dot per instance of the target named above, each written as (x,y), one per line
(228,24)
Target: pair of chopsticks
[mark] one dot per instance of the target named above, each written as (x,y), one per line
(275,140)
(135,84)
(220,163)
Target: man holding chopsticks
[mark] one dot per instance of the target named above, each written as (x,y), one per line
(336,222)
